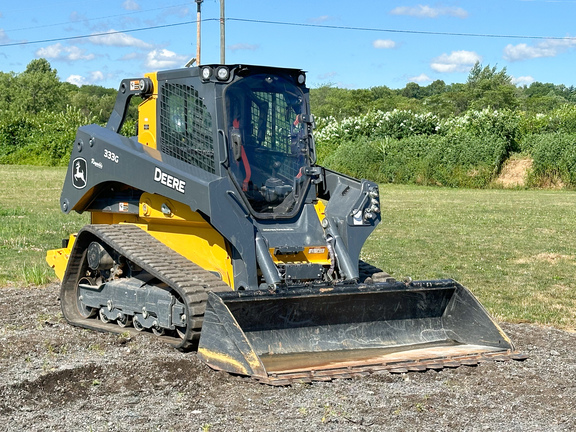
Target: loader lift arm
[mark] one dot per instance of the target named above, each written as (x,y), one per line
(129,87)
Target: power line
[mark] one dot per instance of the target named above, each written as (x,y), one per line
(323,26)
(103,34)
(399,31)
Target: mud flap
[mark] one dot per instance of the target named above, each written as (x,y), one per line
(265,334)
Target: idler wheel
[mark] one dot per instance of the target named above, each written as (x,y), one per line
(84,310)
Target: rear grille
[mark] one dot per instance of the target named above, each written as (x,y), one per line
(186,126)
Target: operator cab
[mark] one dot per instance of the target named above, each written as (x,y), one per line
(268,142)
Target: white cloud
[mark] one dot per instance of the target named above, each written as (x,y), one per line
(384,44)
(422,11)
(131,5)
(546,48)
(523,80)
(96,76)
(456,61)
(243,47)
(4,37)
(77,80)
(164,59)
(119,39)
(80,80)
(422,78)
(64,53)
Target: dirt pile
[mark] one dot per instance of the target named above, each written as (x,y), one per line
(514,172)
(57,377)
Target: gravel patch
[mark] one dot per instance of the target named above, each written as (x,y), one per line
(57,377)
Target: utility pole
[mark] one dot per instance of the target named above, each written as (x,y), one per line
(222,34)
(198,32)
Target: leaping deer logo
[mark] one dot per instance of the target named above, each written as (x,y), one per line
(79,175)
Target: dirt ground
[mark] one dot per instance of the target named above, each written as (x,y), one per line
(514,172)
(57,377)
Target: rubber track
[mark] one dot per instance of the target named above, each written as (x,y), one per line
(188,279)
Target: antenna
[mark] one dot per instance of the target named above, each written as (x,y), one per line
(198,32)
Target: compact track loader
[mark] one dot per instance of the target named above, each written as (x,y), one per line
(215,229)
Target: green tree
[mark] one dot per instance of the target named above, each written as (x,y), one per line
(489,88)
(435,88)
(454,100)
(38,88)
(412,90)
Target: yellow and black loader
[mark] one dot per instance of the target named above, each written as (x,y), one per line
(215,229)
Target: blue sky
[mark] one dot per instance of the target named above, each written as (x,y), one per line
(328,44)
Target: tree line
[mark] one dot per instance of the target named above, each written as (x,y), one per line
(39,89)
(486,88)
(448,134)
(39,114)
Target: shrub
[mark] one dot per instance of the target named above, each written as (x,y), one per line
(456,159)
(504,124)
(561,120)
(45,138)
(361,158)
(554,156)
(376,124)
(400,124)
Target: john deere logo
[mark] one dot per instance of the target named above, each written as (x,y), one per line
(79,173)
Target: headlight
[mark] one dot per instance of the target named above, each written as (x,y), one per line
(222,73)
(206,73)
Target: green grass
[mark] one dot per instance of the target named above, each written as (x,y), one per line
(515,249)
(31,222)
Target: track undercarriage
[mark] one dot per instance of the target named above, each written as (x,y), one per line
(123,279)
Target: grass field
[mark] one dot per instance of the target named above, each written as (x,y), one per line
(515,249)
(31,222)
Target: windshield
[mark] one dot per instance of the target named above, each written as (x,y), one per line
(268,143)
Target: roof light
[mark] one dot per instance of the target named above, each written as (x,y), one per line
(301,79)
(222,73)
(206,73)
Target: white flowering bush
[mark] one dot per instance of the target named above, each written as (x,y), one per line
(406,147)
(400,124)
(560,120)
(397,124)
(504,124)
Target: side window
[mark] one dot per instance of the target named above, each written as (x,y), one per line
(186,126)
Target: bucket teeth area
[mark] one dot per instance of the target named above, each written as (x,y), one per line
(308,335)
(399,367)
